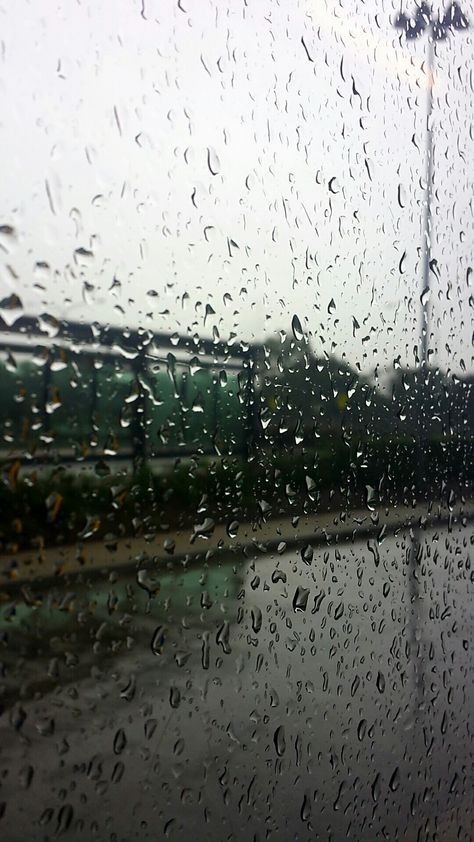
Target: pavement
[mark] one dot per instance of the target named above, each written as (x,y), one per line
(254,696)
(206,538)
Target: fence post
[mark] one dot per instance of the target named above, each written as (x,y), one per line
(139,433)
(249,407)
(93,404)
(46,393)
(215,405)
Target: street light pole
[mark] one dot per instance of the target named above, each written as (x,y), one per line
(438,30)
(427,226)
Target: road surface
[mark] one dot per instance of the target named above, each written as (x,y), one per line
(324,694)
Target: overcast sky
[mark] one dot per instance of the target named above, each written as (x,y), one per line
(259,158)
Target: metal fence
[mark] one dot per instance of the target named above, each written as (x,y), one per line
(74,391)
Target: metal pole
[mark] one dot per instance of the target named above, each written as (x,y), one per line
(438,30)
(427,225)
(415,551)
(427,231)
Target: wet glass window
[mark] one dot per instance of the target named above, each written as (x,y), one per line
(236,420)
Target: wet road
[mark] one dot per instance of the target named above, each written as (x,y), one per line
(275,697)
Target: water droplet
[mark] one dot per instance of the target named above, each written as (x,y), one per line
(274,698)
(206,601)
(65,817)
(339,795)
(232,528)
(317,602)
(394,782)
(203,530)
(305,809)
(7,231)
(197,405)
(376,788)
(380,682)
(181,658)
(310,486)
(150,728)
(26,776)
(300,599)
(222,638)
(307,554)
(11,308)
(401,195)
(256,615)
(117,772)
(370,498)
(213,161)
(296,328)
(425,296)
(339,611)
(264,507)
(120,741)
(128,692)
(84,257)
(355,685)
(205,650)
(46,816)
(373,547)
(175,697)
(148,581)
(158,640)
(361,729)
(279,741)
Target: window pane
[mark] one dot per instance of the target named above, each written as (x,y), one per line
(237,414)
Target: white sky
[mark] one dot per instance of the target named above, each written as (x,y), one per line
(111,112)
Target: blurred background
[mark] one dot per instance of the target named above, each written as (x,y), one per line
(237,420)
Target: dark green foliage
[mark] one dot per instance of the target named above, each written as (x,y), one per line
(311,432)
